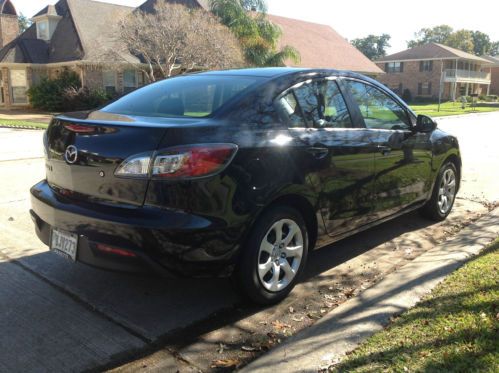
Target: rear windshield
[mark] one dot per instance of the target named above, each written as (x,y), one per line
(186,96)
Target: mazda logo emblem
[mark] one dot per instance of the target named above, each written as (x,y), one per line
(71,154)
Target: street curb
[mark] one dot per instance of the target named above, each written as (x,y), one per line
(22,127)
(346,327)
(445,117)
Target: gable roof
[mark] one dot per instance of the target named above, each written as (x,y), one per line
(493,60)
(85,32)
(49,10)
(320,46)
(431,51)
(149,5)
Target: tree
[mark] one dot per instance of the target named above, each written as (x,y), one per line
(494,49)
(373,46)
(254,5)
(258,36)
(481,43)
(475,42)
(437,34)
(175,38)
(462,40)
(24,23)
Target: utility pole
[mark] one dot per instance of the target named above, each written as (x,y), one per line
(441,84)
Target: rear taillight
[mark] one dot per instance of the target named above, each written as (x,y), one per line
(188,161)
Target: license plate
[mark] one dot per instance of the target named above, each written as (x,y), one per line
(64,243)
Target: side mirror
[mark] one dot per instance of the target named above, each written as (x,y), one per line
(425,124)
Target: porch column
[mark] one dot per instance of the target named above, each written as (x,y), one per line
(454,91)
(488,89)
(6,87)
(467,89)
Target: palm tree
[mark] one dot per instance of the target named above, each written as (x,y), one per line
(258,36)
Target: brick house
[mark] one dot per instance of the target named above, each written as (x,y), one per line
(494,74)
(422,70)
(80,35)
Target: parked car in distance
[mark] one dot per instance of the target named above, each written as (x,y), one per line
(238,172)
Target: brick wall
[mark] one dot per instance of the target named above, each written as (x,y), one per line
(9,29)
(494,85)
(410,77)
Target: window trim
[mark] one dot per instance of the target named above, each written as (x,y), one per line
(411,116)
(309,80)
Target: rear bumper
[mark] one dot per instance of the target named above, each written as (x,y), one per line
(170,243)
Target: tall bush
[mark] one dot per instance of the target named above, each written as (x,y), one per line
(49,93)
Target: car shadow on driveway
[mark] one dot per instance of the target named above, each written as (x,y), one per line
(167,312)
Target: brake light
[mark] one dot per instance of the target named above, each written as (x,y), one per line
(193,160)
(114,250)
(188,161)
(80,128)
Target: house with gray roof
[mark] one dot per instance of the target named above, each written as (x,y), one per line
(422,70)
(81,35)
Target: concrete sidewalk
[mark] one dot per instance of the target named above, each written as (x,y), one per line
(350,324)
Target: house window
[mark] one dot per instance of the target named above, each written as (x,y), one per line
(19,85)
(129,81)
(42,30)
(109,81)
(394,67)
(425,65)
(424,89)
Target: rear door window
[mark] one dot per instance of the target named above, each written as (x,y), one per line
(187,96)
(318,103)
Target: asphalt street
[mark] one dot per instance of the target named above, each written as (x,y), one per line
(57,316)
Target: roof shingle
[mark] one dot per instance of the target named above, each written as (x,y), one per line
(320,46)
(430,50)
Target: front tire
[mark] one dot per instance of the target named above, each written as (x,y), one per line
(444,194)
(274,256)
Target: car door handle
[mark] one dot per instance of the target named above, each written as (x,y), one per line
(318,152)
(385,150)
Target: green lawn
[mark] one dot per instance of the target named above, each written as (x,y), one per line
(21,123)
(449,108)
(454,329)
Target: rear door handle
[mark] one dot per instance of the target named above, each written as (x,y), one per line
(385,150)
(318,152)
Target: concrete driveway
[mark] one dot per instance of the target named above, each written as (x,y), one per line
(59,316)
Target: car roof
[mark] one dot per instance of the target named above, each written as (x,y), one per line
(264,72)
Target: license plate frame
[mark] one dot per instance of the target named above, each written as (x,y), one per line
(64,243)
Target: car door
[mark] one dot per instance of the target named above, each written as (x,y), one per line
(403,157)
(337,150)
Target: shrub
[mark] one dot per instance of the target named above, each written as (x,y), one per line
(407,95)
(489,98)
(65,93)
(48,94)
(83,98)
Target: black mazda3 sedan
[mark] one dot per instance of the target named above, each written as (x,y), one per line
(238,173)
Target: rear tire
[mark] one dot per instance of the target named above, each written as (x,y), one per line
(274,256)
(443,196)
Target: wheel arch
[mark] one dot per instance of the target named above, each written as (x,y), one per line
(305,208)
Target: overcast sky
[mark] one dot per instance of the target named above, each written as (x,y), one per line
(356,18)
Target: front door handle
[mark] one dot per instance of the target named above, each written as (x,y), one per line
(318,152)
(385,150)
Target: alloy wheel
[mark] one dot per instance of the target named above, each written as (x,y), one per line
(447,191)
(280,255)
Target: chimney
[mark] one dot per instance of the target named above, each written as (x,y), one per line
(9,26)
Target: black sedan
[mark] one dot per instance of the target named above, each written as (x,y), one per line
(238,173)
